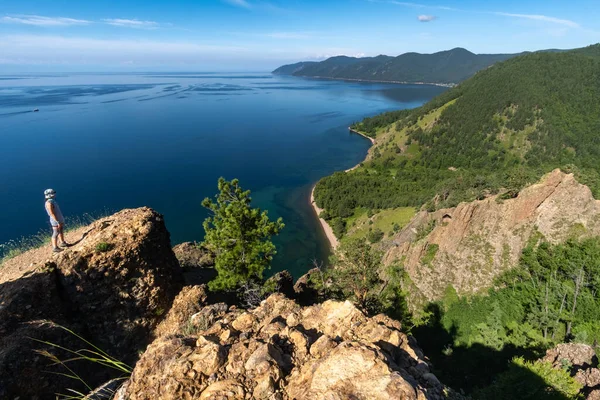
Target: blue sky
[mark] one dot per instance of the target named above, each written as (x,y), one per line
(259,35)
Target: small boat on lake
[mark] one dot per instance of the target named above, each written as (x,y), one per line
(36,109)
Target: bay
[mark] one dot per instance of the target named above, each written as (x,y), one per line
(106,142)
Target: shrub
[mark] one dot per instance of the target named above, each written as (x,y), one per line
(103,247)
(375,235)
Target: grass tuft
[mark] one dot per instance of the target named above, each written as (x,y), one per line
(92,354)
(103,247)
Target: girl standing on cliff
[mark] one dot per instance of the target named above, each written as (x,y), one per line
(56,220)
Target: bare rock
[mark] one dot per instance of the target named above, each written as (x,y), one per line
(575,355)
(475,242)
(322,346)
(224,390)
(112,287)
(192,255)
(244,322)
(285,352)
(197,263)
(188,302)
(125,269)
(581,361)
(351,370)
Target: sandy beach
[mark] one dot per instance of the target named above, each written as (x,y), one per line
(363,135)
(333,241)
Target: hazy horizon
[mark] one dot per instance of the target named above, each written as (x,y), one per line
(261,35)
(99,69)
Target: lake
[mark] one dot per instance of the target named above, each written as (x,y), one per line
(110,141)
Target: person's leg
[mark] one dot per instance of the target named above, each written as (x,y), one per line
(61,235)
(54,237)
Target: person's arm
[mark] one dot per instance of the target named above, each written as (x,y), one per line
(50,209)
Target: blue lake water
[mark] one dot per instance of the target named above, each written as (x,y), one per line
(107,142)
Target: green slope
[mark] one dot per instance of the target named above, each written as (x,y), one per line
(499,130)
(444,67)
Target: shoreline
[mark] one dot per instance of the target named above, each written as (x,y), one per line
(362,134)
(327,229)
(333,241)
(447,85)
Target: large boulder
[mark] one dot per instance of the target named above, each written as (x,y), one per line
(280,350)
(196,262)
(112,287)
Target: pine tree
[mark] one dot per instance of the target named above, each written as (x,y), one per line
(239,236)
(355,270)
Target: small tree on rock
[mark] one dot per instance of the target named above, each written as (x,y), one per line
(239,236)
(355,270)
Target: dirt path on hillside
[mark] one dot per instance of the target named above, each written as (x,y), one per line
(29,261)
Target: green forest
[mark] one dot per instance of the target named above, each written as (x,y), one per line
(498,131)
(493,134)
(444,67)
(549,298)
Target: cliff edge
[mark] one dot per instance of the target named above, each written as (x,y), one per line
(111,287)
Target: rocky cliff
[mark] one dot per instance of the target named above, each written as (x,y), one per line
(280,350)
(112,287)
(468,246)
(120,286)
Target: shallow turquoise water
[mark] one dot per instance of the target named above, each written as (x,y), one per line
(106,142)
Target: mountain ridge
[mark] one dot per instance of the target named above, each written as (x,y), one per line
(446,67)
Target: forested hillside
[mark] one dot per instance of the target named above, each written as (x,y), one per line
(493,134)
(497,131)
(444,67)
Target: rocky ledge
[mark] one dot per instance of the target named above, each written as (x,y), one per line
(121,287)
(112,287)
(280,350)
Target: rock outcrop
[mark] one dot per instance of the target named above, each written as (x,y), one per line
(469,245)
(112,287)
(582,363)
(283,351)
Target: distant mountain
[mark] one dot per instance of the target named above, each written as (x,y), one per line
(291,69)
(495,132)
(445,67)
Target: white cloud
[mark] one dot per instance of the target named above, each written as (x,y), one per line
(535,17)
(415,5)
(543,18)
(426,18)
(238,3)
(38,20)
(289,35)
(131,23)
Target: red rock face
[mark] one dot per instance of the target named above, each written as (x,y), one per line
(112,287)
(479,240)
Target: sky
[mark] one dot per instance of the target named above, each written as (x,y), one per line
(260,35)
